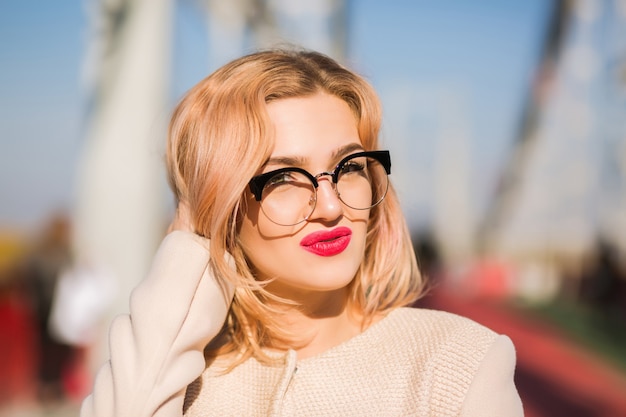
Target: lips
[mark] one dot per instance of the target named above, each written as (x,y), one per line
(327,242)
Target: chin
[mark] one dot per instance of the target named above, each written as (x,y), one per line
(319,281)
(335,285)
(329,281)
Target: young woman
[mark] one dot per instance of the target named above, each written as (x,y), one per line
(281,288)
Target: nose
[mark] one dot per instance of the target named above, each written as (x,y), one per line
(328,206)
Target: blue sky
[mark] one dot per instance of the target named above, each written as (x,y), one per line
(41,47)
(478,55)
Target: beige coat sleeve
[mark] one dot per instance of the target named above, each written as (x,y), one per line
(157,349)
(492,392)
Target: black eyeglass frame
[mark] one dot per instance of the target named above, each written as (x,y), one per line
(257,183)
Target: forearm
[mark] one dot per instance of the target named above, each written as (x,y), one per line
(157,350)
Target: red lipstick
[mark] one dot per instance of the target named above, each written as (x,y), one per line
(327,242)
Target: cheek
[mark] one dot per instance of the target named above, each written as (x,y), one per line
(256,227)
(249,235)
(253,245)
(261,239)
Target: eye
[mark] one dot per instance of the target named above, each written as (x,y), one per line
(279,179)
(353,165)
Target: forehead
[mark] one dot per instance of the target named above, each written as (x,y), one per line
(312,127)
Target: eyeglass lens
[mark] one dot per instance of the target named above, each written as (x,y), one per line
(289,197)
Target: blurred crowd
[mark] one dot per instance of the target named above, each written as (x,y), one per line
(36,366)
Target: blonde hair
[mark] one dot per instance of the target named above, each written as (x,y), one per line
(220,136)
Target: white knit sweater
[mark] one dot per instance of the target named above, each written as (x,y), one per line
(412,363)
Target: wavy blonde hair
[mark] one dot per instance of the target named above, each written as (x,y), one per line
(221,135)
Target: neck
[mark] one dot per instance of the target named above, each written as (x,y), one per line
(321,321)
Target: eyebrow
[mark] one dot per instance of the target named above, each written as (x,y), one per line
(300,161)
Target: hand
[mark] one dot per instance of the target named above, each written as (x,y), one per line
(182,219)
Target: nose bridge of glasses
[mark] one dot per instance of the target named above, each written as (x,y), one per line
(325,174)
(332,180)
(321,190)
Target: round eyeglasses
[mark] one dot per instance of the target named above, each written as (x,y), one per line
(288,195)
